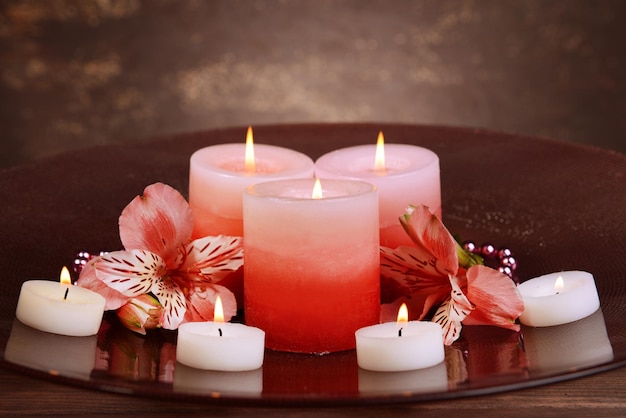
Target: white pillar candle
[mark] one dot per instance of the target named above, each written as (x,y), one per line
(55,354)
(312,265)
(394,347)
(569,347)
(218,177)
(220,346)
(430,379)
(60,308)
(558,298)
(410,177)
(217,383)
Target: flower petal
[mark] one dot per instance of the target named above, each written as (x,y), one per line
(417,272)
(89,280)
(452,312)
(160,221)
(209,259)
(495,298)
(430,235)
(131,273)
(171,296)
(201,303)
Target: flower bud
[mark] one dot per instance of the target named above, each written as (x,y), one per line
(141,313)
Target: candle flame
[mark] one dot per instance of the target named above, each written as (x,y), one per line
(559,284)
(379,159)
(65,276)
(403,314)
(317,190)
(218,312)
(250,164)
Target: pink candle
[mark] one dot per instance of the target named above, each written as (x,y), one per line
(409,175)
(311,264)
(219,175)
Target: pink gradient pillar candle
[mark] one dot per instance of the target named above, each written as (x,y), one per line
(218,176)
(311,264)
(409,176)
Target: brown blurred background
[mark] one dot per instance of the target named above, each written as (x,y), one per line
(75,73)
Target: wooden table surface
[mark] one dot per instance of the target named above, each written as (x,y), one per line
(599,395)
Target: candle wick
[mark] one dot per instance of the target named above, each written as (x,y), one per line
(66,292)
(400,332)
(220,331)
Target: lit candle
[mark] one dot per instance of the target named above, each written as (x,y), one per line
(311,262)
(558,298)
(399,346)
(55,354)
(219,174)
(60,307)
(219,345)
(404,175)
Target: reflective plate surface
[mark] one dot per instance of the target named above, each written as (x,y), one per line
(558,206)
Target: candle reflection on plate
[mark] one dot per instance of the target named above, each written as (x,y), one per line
(53,353)
(431,379)
(192,380)
(569,347)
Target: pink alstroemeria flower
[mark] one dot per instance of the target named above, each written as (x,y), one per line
(438,272)
(160,259)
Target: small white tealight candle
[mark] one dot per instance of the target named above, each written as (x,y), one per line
(60,308)
(558,298)
(219,345)
(399,346)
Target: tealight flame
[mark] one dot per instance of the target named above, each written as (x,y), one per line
(558,284)
(218,312)
(250,165)
(317,190)
(379,158)
(403,314)
(65,276)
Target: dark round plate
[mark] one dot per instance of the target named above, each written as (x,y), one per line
(558,206)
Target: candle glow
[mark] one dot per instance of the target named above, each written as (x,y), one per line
(218,312)
(317,190)
(249,163)
(558,284)
(379,157)
(65,277)
(403,314)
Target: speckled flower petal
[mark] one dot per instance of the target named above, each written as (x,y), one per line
(89,280)
(131,273)
(172,298)
(452,312)
(209,259)
(159,221)
(417,272)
